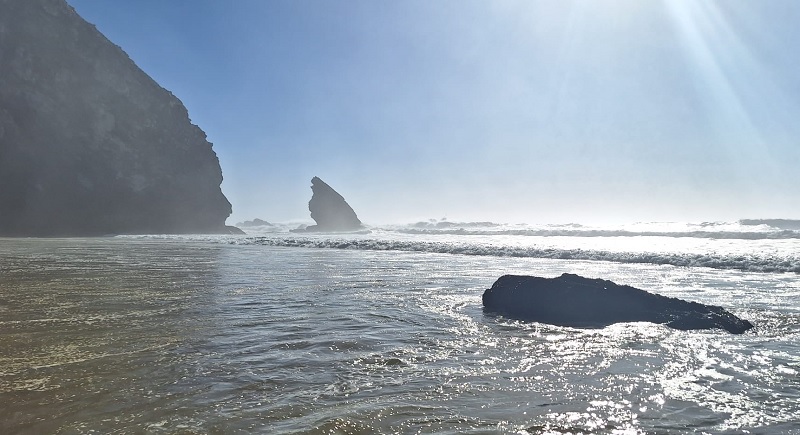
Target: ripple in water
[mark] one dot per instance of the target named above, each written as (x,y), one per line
(182,336)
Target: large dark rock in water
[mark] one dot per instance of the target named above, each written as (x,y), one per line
(572,300)
(89,143)
(329,209)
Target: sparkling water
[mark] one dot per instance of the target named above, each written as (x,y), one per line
(384,332)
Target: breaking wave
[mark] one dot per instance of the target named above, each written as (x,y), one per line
(751,262)
(745,229)
(745,235)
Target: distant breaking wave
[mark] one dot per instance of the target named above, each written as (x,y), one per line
(785,224)
(745,229)
(743,262)
(745,235)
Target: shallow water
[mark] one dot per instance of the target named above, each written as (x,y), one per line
(190,335)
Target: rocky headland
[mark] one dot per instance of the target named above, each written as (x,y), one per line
(89,143)
(572,300)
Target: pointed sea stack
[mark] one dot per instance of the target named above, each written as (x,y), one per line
(89,143)
(329,209)
(572,300)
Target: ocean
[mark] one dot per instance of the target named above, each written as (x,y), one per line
(383,332)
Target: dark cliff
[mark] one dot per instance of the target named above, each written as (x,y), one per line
(89,143)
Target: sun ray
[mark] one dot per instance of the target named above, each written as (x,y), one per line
(723,64)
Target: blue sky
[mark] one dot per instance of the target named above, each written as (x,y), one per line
(512,111)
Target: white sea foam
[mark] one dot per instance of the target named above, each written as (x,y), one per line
(719,245)
(753,262)
(711,230)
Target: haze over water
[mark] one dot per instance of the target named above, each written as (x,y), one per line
(383,332)
(513,111)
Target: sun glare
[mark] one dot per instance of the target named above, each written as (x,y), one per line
(722,62)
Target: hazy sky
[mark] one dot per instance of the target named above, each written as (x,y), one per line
(513,111)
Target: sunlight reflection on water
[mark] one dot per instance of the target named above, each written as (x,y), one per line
(170,336)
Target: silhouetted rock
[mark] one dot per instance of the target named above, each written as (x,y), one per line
(89,143)
(254,223)
(572,300)
(329,210)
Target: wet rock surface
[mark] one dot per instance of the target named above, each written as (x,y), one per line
(572,300)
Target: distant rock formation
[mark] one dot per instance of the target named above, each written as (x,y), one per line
(89,143)
(254,223)
(782,224)
(572,300)
(329,210)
